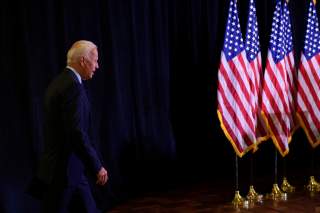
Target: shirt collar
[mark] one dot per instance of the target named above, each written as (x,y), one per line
(76,73)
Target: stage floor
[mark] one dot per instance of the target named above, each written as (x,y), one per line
(214,197)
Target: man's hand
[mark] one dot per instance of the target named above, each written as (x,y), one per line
(102,176)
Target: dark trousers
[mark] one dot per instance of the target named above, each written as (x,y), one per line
(71,199)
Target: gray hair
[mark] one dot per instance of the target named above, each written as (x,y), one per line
(79,49)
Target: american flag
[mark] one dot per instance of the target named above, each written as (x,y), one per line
(235,109)
(308,94)
(275,101)
(290,65)
(252,47)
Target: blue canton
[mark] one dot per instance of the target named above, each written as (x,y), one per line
(287,29)
(312,42)
(252,39)
(277,42)
(233,43)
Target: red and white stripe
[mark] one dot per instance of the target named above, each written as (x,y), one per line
(275,103)
(308,97)
(235,102)
(256,68)
(292,79)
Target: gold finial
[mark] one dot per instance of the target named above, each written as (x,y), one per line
(314,1)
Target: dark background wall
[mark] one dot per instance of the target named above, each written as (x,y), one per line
(153,99)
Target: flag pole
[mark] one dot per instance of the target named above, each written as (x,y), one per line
(312,161)
(237,174)
(238,199)
(276,166)
(252,195)
(313,186)
(251,169)
(284,161)
(276,193)
(286,186)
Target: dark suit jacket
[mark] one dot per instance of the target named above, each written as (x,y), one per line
(68,150)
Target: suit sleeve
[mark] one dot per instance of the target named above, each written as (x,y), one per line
(74,120)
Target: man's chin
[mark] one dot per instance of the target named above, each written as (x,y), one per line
(90,76)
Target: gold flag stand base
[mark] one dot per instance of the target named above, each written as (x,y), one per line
(237,200)
(276,194)
(253,196)
(286,186)
(313,185)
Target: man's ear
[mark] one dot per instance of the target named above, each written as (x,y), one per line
(82,61)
